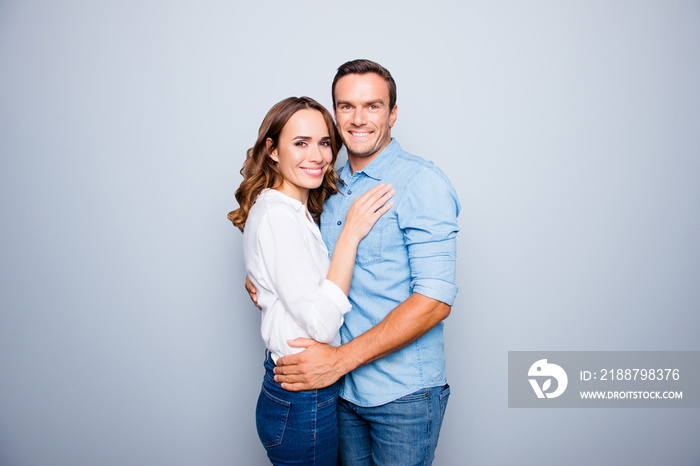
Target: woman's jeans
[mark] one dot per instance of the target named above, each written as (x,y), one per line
(299,428)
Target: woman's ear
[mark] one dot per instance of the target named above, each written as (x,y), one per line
(273,152)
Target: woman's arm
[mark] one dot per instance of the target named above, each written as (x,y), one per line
(316,302)
(355,229)
(361,217)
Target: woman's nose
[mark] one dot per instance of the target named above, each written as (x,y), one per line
(316,155)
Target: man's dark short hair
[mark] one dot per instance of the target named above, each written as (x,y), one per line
(363,67)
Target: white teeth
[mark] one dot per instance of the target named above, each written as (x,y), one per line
(314,171)
(360,134)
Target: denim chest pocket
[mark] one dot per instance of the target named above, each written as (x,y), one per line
(372,248)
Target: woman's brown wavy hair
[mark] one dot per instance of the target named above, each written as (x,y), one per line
(260,171)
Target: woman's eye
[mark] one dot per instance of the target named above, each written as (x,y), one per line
(326,143)
(301,143)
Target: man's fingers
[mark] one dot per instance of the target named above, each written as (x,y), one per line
(292,378)
(293,359)
(250,288)
(294,387)
(288,360)
(301,342)
(280,370)
(252,291)
(254,298)
(292,382)
(283,362)
(288,377)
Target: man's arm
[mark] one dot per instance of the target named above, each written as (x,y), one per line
(321,365)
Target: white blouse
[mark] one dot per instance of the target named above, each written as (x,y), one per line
(287,261)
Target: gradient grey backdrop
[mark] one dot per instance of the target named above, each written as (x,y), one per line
(569,129)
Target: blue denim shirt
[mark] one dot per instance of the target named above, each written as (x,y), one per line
(411,249)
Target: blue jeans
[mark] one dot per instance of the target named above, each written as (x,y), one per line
(403,432)
(297,428)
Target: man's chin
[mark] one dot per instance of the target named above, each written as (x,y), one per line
(360,154)
(360,151)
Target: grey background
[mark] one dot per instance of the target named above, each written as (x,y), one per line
(568,128)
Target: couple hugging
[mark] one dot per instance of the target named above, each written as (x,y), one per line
(354,271)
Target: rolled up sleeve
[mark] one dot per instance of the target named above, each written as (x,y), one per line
(428,217)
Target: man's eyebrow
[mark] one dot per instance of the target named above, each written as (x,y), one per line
(369,102)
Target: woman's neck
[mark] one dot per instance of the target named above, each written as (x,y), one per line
(295,192)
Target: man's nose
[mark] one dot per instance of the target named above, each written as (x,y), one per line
(358,117)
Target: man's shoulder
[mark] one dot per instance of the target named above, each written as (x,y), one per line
(416,167)
(409,159)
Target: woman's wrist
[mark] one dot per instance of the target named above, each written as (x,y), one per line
(348,239)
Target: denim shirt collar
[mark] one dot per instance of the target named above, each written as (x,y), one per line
(375,169)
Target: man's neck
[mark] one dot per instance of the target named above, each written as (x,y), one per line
(358,162)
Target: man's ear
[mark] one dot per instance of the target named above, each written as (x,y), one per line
(273,152)
(393,115)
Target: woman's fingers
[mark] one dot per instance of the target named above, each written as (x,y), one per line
(374,193)
(375,197)
(382,210)
(367,209)
(383,199)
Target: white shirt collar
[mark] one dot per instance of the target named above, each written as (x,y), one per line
(297,205)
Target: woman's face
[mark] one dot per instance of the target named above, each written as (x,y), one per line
(303,153)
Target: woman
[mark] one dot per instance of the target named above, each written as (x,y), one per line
(287,176)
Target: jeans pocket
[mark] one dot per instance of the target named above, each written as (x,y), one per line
(271,418)
(419,395)
(444,397)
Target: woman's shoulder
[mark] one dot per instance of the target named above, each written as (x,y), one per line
(272,207)
(269,199)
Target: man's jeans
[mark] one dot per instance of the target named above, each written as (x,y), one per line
(297,427)
(403,432)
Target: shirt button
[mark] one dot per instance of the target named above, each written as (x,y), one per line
(349,191)
(339,222)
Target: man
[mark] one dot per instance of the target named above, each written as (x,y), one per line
(395,390)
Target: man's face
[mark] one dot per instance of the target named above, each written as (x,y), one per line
(363,115)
